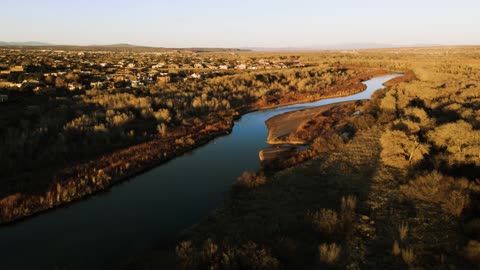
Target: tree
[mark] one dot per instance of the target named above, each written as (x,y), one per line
(418,115)
(60,83)
(460,141)
(400,150)
(389,103)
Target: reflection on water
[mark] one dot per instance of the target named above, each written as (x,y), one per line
(153,207)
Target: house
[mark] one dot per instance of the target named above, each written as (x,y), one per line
(241,66)
(74,86)
(96,84)
(16,69)
(195,76)
(223,67)
(3,98)
(163,80)
(136,83)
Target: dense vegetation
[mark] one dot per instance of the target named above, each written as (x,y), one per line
(401,191)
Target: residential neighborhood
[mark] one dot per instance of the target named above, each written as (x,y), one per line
(73,69)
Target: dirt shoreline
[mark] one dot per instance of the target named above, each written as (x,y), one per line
(282,127)
(86,179)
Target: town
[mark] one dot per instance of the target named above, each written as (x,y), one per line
(50,69)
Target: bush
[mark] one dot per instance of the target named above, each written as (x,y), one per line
(162,129)
(456,202)
(251,256)
(460,141)
(186,255)
(403,231)
(400,150)
(472,251)
(213,256)
(408,256)
(347,214)
(452,194)
(349,204)
(324,221)
(329,253)
(251,180)
(396,248)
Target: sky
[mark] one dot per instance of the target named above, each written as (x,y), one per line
(241,23)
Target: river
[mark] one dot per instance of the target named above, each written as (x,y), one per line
(151,208)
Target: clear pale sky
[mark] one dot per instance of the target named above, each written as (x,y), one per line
(241,23)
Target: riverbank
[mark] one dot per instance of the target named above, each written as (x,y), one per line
(82,180)
(287,128)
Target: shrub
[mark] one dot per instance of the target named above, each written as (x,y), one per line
(213,256)
(460,141)
(163,115)
(472,251)
(452,194)
(209,251)
(347,214)
(251,180)
(329,253)
(403,231)
(408,256)
(251,256)
(162,129)
(396,248)
(324,221)
(418,115)
(456,202)
(349,203)
(389,102)
(407,126)
(400,150)
(186,255)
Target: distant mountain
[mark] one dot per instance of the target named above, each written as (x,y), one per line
(44,44)
(26,44)
(119,45)
(341,46)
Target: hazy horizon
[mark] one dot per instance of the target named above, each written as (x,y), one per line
(213,23)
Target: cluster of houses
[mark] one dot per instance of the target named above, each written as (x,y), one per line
(77,70)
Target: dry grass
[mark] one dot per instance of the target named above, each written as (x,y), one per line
(329,253)
(408,256)
(396,248)
(403,231)
(324,221)
(349,204)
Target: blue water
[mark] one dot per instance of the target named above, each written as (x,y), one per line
(134,216)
